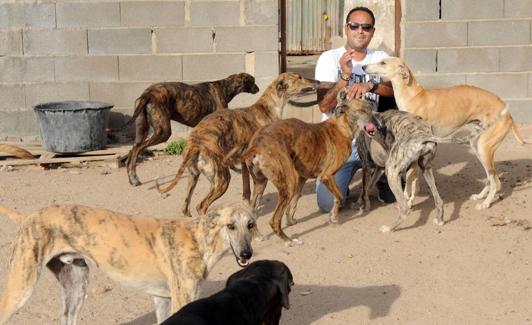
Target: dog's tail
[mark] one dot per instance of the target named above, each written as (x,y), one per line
(473,130)
(191,155)
(16,151)
(518,136)
(228,159)
(140,107)
(12,214)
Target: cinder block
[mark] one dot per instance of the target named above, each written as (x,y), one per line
(440,80)
(261,12)
(422,10)
(211,66)
(36,15)
(516,59)
(530,84)
(90,68)
(468,60)
(184,40)
(424,34)
(120,41)
(12,98)
(152,13)
(120,94)
(55,42)
(246,39)
(521,111)
(18,124)
(215,13)
(499,32)
(421,60)
(480,9)
(52,92)
(518,8)
(11,42)
(266,64)
(86,14)
(150,68)
(505,85)
(19,69)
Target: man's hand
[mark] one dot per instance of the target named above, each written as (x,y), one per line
(358,90)
(345,62)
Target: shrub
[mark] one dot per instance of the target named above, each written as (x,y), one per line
(176,147)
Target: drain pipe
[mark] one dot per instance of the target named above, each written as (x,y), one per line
(282,28)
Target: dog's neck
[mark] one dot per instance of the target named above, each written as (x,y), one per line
(270,104)
(405,89)
(211,244)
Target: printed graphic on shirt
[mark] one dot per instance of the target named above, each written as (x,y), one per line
(371,98)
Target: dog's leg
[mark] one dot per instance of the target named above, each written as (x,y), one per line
(411,184)
(193,177)
(246,191)
(73,278)
(290,221)
(426,167)
(159,120)
(286,184)
(488,142)
(24,270)
(259,185)
(394,166)
(162,308)
(219,183)
(330,182)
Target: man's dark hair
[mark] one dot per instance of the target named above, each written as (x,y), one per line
(365,9)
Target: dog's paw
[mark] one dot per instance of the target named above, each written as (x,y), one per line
(291,221)
(385,229)
(293,241)
(476,197)
(437,222)
(482,206)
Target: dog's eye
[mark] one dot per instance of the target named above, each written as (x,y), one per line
(251,225)
(383,63)
(231,226)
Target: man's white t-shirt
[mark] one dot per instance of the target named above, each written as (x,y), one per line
(328,69)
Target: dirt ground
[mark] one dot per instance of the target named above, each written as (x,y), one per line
(476,269)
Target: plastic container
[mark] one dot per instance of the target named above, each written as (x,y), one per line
(73,126)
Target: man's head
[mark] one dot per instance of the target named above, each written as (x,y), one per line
(359,28)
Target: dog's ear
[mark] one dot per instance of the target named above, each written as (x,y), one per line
(212,218)
(404,72)
(284,282)
(281,86)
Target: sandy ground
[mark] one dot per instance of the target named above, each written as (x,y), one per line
(476,269)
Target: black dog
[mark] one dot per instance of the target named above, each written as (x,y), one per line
(254,295)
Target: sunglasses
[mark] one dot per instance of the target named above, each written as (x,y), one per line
(355,26)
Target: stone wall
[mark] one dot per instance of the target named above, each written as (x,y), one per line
(56,50)
(486,43)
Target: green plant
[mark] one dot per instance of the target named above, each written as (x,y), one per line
(176,147)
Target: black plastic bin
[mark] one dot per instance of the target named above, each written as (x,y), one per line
(73,126)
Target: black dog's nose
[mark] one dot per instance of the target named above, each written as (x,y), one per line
(364,67)
(245,254)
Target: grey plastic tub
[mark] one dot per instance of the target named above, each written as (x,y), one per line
(73,126)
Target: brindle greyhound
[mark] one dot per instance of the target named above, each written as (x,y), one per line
(288,152)
(177,101)
(402,142)
(166,258)
(217,142)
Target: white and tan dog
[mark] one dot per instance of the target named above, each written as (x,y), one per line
(447,109)
(166,258)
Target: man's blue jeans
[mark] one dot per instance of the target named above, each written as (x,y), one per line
(343,178)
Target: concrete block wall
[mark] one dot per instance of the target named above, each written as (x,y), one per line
(111,50)
(486,43)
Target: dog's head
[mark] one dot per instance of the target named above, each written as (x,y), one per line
(392,68)
(290,84)
(243,82)
(275,273)
(236,224)
(357,113)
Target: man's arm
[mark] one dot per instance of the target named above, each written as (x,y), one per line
(327,96)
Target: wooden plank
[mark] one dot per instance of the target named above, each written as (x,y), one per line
(21,162)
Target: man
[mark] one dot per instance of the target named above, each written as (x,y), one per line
(344,67)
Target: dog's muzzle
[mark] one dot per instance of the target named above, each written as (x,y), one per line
(370,129)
